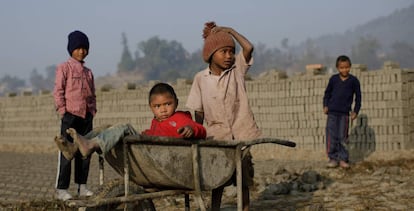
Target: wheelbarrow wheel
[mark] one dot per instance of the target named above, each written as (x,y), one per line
(116,188)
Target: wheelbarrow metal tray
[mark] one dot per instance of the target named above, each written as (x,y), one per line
(167,163)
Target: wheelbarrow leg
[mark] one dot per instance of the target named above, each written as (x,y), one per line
(126,173)
(187,202)
(239,177)
(196,176)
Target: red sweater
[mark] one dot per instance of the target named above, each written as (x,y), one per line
(170,126)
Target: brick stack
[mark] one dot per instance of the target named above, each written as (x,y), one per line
(284,107)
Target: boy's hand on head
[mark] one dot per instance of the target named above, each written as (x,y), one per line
(325,110)
(221,28)
(186,132)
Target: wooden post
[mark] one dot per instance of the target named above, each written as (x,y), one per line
(126,173)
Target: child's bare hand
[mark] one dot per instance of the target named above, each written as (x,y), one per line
(353,115)
(325,110)
(186,132)
(222,28)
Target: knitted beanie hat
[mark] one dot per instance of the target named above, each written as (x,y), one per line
(77,39)
(215,40)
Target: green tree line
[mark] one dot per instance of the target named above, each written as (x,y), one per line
(372,43)
(160,59)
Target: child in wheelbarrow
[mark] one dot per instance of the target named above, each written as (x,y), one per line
(218,96)
(167,122)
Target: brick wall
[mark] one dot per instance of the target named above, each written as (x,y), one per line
(284,107)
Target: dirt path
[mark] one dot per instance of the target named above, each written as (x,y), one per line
(385,181)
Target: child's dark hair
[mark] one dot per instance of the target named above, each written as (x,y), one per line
(343,58)
(162,88)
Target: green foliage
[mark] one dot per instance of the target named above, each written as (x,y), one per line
(127,63)
(385,30)
(159,59)
(39,82)
(161,56)
(403,53)
(267,59)
(162,60)
(366,52)
(10,84)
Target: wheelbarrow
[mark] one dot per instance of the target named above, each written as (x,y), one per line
(163,166)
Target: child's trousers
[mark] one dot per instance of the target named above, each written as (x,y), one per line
(336,137)
(82,126)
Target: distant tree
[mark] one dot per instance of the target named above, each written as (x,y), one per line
(51,73)
(266,59)
(10,84)
(194,64)
(311,54)
(366,52)
(50,77)
(36,80)
(285,43)
(403,53)
(127,63)
(161,56)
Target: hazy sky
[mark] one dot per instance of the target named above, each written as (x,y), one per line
(34,33)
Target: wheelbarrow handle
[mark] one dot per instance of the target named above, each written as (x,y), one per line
(220,143)
(270,140)
(285,143)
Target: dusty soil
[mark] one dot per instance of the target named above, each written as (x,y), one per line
(383,181)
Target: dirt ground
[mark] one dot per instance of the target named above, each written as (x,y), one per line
(290,180)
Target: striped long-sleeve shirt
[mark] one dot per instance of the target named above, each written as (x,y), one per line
(74,90)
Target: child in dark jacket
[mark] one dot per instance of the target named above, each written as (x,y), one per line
(337,102)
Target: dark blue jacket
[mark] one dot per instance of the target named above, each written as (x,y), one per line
(339,95)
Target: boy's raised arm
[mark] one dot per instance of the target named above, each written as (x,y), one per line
(245,44)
